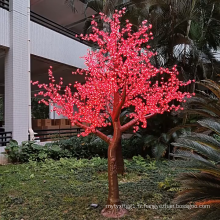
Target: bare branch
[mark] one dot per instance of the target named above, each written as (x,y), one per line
(97,133)
(133,122)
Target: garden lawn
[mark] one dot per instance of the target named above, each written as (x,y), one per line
(64,189)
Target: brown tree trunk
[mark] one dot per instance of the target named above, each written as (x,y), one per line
(113,196)
(114,208)
(119,159)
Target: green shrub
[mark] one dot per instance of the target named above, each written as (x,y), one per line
(30,150)
(84,147)
(77,147)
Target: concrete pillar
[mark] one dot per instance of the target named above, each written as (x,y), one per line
(53,114)
(16,72)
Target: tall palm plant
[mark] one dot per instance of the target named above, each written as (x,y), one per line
(202,187)
(203,105)
(185,31)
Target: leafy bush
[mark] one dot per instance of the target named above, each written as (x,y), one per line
(77,147)
(30,150)
(84,147)
(169,184)
(39,110)
(155,139)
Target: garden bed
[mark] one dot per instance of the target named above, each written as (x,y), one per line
(65,189)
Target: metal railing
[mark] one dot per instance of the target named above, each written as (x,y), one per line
(56,27)
(4,4)
(5,137)
(56,134)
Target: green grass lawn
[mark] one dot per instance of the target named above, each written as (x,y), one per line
(65,189)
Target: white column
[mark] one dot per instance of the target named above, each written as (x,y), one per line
(53,114)
(16,72)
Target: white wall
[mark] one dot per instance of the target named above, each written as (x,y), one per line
(45,43)
(54,46)
(16,72)
(4,28)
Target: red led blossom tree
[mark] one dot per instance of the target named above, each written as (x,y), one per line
(119,75)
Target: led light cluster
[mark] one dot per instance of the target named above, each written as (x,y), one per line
(119,68)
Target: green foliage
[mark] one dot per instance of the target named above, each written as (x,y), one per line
(155,139)
(203,148)
(201,186)
(12,150)
(217,137)
(78,147)
(86,147)
(133,147)
(140,164)
(169,184)
(203,105)
(29,150)
(39,110)
(140,161)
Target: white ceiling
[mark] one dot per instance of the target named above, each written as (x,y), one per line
(61,13)
(39,72)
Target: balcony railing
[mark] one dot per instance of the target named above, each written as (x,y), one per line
(5,137)
(4,4)
(56,134)
(56,27)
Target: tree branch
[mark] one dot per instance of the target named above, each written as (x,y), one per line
(97,133)
(118,109)
(102,136)
(133,122)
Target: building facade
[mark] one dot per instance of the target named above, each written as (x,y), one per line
(28,41)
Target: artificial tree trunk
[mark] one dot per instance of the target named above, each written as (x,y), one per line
(113,208)
(119,159)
